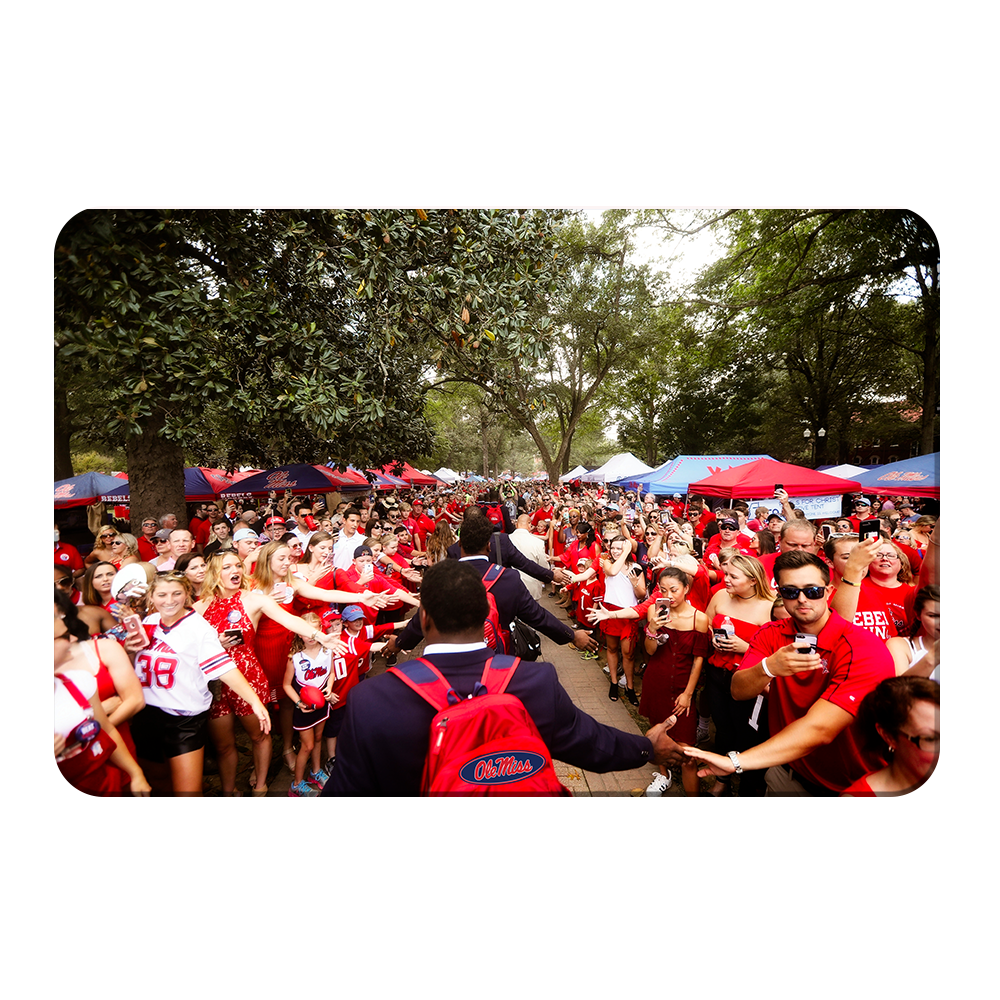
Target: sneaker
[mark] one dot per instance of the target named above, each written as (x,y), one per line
(328,766)
(659,784)
(701,733)
(317,778)
(621,681)
(302,789)
(606,670)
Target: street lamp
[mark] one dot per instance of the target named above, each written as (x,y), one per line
(807,434)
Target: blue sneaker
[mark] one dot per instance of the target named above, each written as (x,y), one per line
(317,778)
(302,789)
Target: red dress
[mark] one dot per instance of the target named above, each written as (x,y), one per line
(667,674)
(227,613)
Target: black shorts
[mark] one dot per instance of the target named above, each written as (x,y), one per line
(158,735)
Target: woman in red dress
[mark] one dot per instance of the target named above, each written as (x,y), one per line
(229,607)
(743,606)
(273,577)
(677,642)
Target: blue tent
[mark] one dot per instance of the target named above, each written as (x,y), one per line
(916,477)
(87,489)
(676,475)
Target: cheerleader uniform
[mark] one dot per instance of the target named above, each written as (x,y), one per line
(313,671)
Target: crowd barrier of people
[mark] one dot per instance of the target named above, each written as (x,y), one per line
(765,653)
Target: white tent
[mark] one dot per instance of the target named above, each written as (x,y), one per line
(573,474)
(844,471)
(448,475)
(622,466)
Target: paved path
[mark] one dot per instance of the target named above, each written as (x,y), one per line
(587,685)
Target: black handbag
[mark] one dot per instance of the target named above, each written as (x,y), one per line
(525,640)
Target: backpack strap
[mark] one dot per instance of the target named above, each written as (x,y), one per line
(424,678)
(491,576)
(498,672)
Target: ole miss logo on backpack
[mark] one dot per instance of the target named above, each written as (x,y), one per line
(486,744)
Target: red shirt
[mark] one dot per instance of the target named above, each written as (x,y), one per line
(147,550)
(885,611)
(68,556)
(855,662)
(542,512)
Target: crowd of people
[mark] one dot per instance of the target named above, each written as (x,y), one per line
(804,653)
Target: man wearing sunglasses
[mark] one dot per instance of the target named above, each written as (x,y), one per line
(147,540)
(813,697)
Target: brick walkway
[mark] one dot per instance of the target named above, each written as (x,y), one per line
(587,685)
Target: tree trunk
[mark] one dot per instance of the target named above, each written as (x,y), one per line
(63,431)
(155,476)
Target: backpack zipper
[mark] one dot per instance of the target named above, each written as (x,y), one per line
(441,726)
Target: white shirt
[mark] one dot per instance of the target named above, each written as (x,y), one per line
(533,548)
(343,551)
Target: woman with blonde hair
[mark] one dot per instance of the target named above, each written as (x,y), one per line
(735,614)
(273,577)
(126,550)
(103,550)
(234,611)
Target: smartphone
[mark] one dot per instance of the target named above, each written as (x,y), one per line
(234,633)
(133,626)
(827,531)
(869,529)
(720,633)
(778,486)
(661,603)
(804,643)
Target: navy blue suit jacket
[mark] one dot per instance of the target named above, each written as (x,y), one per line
(513,601)
(505,553)
(386,732)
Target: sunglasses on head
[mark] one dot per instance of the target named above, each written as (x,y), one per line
(792,593)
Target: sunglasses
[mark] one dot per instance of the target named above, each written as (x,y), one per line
(65,582)
(104,538)
(792,593)
(149,524)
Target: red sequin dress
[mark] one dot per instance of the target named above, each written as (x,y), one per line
(227,613)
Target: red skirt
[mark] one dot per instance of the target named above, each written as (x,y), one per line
(623,627)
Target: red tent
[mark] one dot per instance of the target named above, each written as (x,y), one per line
(413,476)
(757,479)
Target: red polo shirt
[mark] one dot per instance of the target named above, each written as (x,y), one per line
(855,661)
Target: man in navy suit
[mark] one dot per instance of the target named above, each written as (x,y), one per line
(385,735)
(511,596)
(505,553)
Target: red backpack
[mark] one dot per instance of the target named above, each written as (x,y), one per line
(486,744)
(495,515)
(494,634)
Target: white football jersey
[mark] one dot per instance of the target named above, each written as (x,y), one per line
(175,668)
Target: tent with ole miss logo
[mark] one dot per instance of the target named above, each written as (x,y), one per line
(914,477)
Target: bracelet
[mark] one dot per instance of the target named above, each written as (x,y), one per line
(850,583)
(735,758)
(763,666)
